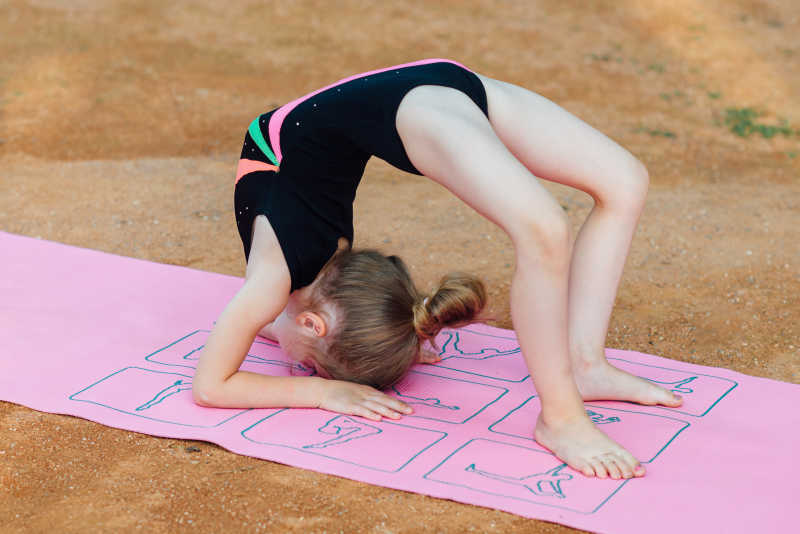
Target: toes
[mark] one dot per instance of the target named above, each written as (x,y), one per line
(610,462)
(599,467)
(625,468)
(583,467)
(677,400)
(633,466)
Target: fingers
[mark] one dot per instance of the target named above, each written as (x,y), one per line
(426,356)
(363,401)
(387,406)
(395,404)
(381,409)
(376,405)
(375,410)
(365,412)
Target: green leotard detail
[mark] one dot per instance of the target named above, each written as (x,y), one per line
(258,137)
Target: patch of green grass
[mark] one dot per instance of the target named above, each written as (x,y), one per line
(714,95)
(791,154)
(656,67)
(600,57)
(742,122)
(656,132)
(676,95)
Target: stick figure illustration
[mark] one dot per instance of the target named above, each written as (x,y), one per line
(431,402)
(600,419)
(454,338)
(194,355)
(343,429)
(291,365)
(677,385)
(545,484)
(176,387)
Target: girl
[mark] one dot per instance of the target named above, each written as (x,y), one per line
(356,317)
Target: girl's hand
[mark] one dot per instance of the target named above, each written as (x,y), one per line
(426,356)
(357,399)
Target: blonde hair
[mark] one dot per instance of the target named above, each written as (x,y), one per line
(381,317)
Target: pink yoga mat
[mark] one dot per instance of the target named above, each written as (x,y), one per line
(115,340)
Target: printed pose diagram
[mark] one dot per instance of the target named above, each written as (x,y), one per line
(173,389)
(546,484)
(343,429)
(471,429)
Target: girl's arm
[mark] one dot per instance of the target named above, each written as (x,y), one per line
(218,381)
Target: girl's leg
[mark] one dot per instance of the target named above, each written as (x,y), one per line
(449,140)
(555,145)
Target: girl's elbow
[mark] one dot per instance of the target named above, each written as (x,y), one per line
(204,395)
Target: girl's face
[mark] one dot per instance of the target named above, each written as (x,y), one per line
(295,328)
(287,332)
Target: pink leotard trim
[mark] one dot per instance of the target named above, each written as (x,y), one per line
(276,120)
(247,166)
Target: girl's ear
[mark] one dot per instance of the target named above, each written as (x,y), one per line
(312,323)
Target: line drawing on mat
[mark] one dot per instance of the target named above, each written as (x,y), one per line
(600,419)
(481,397)
(484,354)
(177,387)
(509,366)
(431,402)
(545,484)
(408,442)
(160,407)
(343,429)
(677,385)
(191,357)
(545,488)
(666,428)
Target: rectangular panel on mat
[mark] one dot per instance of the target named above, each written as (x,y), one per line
(155,395)
(520,473)
(117,340)
(621,425)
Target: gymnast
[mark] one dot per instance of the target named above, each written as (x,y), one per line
(356,317)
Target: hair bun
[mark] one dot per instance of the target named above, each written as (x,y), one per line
(457,301)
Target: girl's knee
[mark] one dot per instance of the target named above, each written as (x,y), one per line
(628,192)
(547,237)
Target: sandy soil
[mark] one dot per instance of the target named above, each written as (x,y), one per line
(121,122)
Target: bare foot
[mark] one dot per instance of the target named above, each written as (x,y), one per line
(603,381)
(583,447)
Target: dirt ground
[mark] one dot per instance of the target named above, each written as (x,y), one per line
(121,123)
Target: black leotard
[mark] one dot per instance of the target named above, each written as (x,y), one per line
(302,162)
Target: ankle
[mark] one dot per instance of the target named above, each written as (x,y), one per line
(560,418)
(585,361)
(586,350)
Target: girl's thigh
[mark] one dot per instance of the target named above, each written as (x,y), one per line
(556,145)
(449,139)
